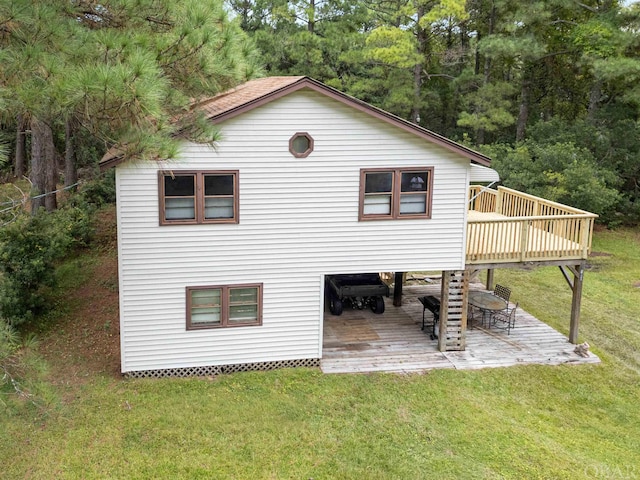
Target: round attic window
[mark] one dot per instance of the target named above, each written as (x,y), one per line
(301,145)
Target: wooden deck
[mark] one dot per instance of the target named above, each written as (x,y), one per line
(360,341)
(506,226)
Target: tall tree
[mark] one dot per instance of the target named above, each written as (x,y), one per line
(407,37)
(536,46)
(610,46)
(320,38)
(121,69)
(32,34)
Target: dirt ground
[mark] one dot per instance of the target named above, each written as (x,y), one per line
(87,342)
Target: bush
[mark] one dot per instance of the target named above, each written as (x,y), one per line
(74,221)
(29,248)
(100,191)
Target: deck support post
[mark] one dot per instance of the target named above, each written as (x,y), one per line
(453,311)
(575,284)
(490,280)
(397,289)
(576,301)
(444,311)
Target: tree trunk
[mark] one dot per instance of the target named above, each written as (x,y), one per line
(423,49)
(486,73)
(417,87)
(245,16)
(70,171)
(43,162)
(20,165)
(311,24)
(50,201)
(523,114)
(464,45)
(476,63)
(594,98)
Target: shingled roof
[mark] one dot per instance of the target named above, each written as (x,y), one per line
(260,91)
(244,95)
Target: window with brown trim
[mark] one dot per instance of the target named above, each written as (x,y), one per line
(395,193)
(198,197)
(301,145)
(224,306)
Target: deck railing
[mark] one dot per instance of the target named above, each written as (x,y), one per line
(512,226)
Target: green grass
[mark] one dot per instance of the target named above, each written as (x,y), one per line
(521,422)
(611,302)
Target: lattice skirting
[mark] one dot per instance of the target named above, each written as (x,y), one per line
(213,370)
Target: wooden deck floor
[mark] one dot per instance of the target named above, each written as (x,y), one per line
(360,341)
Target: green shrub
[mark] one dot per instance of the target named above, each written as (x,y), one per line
(29,249)
(100,191)
(75,222)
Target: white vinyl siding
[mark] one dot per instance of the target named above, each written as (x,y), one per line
(298,220)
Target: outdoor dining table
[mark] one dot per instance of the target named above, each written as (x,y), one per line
(488,303)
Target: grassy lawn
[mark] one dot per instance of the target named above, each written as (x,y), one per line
(520,422)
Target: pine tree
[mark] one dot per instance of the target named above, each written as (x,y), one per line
(121,69)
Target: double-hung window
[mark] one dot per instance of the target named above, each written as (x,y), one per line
(198,197)
(395,193)
(224,306)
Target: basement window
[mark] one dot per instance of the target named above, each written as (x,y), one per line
(224,306)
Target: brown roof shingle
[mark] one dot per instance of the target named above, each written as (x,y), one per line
(244,94)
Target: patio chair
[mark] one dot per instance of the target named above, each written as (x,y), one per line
(471,315)
(505,319)
(502,292)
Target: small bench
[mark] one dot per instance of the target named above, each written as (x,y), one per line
(432,304)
